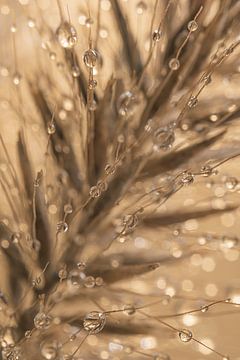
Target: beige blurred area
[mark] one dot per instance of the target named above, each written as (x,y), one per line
(212,273)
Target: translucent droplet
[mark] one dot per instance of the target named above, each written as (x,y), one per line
(90,58)
(94,192)
(42,321)
(81,265)
(63,274)
(94,322)
(74,278)
(102,185)
(17,78)
(161,356)
(231,183)
(187,178)
(166,299)
(66,35)
(206,170)
(89,22)
(110,169)
(174,64)
(92,84)
(93,106)
(163,138)
(75,71)
(68,209)
(156,35)
(141,7)
(31,22)
(130,222)
(62,226)
(129,309)
(229,243)
(193,101)
(28,334)
(49,350)
(226,358)
(126,103)
(192,26)
(207,79)
(51,128)
(185,335)
(204,308)
(99,281)
(89,282)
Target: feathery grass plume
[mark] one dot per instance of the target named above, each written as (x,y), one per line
(119,179)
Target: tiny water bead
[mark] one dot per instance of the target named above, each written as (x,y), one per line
(174,64)
(163,138)
(31,23)
(141,7)
(129,309)
(204,308)
(187,178)
(192,102)
(66,35)
(192,26)
(90,58)
(75,70)
(16,78)
(229,242)
(110,169)
(89,22)
(161,356)
(51,128)
(185,335)
(231,183)
(81,265)
(68,209)
(62,274)
(42,321)
(92,84)
(157,35)
(49,350)
(126,103)
(94,192)
(94,322)
(130,222)
(89,282)
(62,226)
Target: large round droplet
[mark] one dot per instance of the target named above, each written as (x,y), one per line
(187,178)
(42,321)
(174,64)
(185,335)
(192,26)
(94,322)
(66,35)
(231,183)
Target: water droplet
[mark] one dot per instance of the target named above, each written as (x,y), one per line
(75,71)
(110,169)
(166,299)
(99,281)
(163,138)
(92,84)
(94,322)
(28,334)
(129,222)
(126,103)
(62,226)
(226,358)
(206,170)
(93,106)
(31,22)
(42,321)
(74,278)
(174,64)
(51,128)
(17,78)
(49,350)
(231,183)
(193,101)
(156,35)
(94,192)
(185,335)
(89,282)
(68,209)
(81,265)
(141,7)
(207,79)
(66,35)
(52,55)
(187,178)
(161,356)
(90,58)
(204,308)
(229,243)
(102,185)
(129,309)
(89,22)
(192,26)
